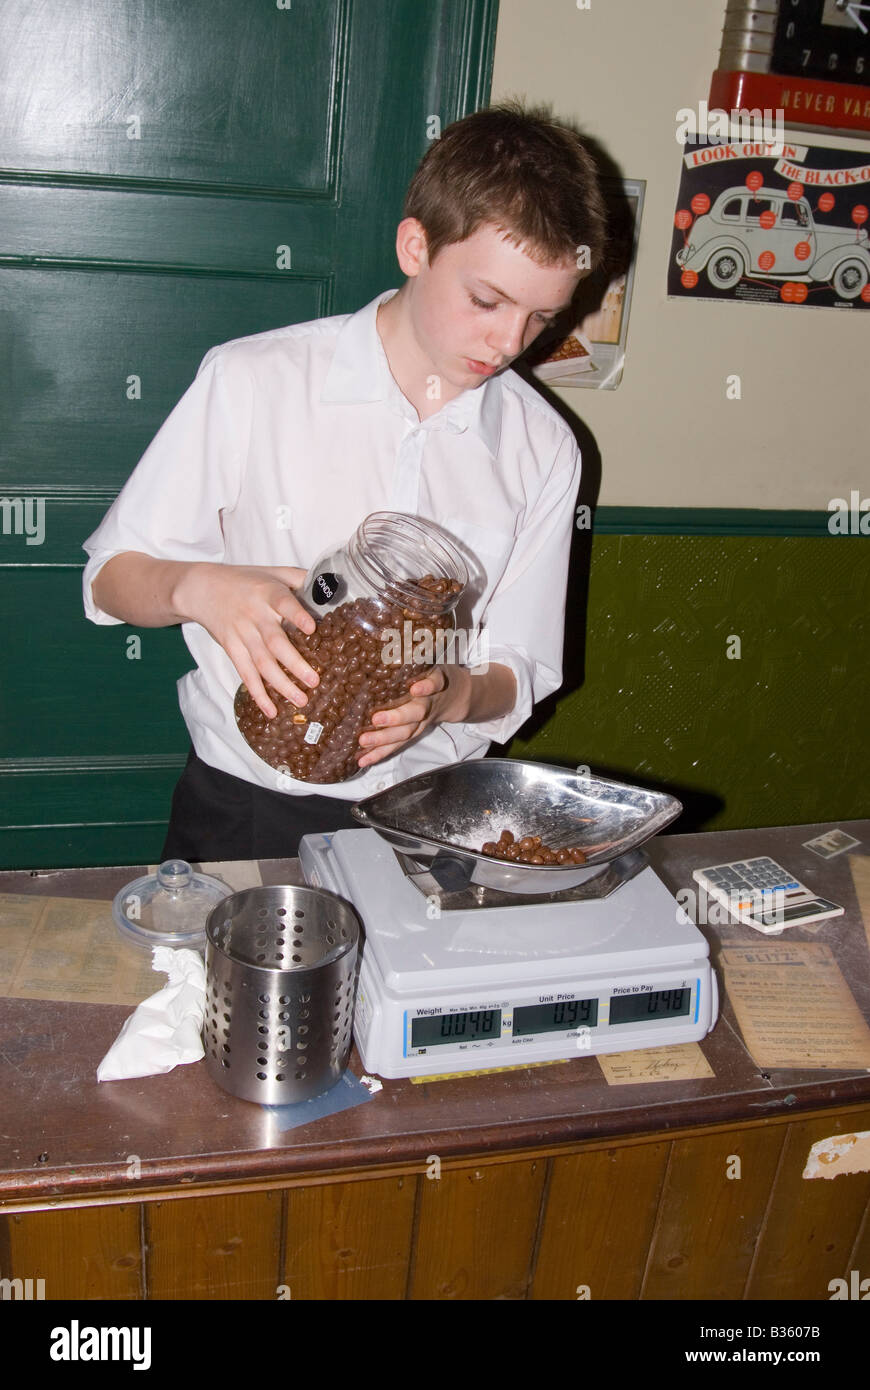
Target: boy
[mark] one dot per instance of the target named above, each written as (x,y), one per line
(288,439)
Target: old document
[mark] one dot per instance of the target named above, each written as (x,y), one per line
(679,1062)
(794,1007)
(69,949)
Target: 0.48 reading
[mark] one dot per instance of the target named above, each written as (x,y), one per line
(654,1004)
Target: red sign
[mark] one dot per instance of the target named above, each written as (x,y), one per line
(806,102)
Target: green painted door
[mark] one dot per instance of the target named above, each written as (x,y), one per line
(171,176)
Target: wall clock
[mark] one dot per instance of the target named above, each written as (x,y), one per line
(808,58)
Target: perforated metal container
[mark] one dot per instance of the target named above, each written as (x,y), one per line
(280,975)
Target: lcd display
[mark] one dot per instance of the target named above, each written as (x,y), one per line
(477,1025)
(648,1007)
(555,1018)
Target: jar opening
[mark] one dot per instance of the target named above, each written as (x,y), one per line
(390,549)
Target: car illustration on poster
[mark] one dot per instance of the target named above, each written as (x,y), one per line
(769,234)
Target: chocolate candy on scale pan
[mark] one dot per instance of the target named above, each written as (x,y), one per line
(530,849)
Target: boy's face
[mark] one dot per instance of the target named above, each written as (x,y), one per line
(481,302)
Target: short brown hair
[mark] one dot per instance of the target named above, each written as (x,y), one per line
(518,170)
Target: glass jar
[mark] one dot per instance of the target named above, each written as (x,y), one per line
(384,605)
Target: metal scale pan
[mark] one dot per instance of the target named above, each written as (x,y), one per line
(437,822)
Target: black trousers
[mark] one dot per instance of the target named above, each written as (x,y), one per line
(216,816)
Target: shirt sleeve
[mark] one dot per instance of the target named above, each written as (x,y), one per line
(524,625)
(171,505)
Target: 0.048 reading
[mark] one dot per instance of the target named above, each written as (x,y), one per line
(474,1025)
(478,1023)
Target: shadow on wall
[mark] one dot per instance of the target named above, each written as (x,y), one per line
(588,297)
(699,805)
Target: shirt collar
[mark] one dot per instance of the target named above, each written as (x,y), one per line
(360,372)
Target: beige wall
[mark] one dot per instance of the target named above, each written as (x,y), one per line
(668,435)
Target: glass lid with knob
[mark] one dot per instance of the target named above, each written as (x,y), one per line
(169,908)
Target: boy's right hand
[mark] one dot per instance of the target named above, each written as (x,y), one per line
(242,607)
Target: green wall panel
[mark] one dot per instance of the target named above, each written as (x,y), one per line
(776,736)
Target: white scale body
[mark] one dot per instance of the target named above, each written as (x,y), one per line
(494,987)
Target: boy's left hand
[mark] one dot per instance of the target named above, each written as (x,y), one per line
(432,700)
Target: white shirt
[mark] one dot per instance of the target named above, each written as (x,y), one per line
(284,442)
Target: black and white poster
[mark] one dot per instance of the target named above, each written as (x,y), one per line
(772,223)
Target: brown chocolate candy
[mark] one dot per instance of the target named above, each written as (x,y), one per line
(348,649)
(530,849)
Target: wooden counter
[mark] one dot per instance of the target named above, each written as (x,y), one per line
(550,1180)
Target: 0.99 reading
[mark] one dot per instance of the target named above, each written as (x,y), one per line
(559,1017)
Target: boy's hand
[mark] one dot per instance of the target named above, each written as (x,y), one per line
(439,698)
(243,607)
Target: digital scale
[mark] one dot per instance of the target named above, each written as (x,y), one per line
(453,982)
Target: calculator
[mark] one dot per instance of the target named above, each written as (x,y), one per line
(762,894)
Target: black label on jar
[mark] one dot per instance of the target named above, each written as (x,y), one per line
(326,588)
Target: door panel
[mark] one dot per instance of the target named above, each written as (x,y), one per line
(171,177)
(197,94)
(79,339)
